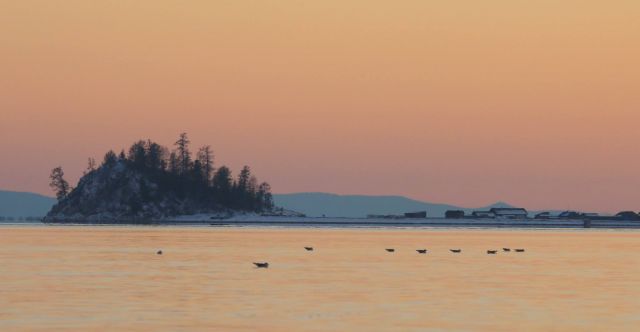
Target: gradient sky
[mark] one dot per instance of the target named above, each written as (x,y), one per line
(466,102)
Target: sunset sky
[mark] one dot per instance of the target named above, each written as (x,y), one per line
(536,103)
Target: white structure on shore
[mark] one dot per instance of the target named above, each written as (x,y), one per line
(483,214)
(510,213)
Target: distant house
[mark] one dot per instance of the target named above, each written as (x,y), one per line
(416,215)
(570,215)
(510,213)
(543,215)
(454,214)
(483,214)
(385,216)
(628,215)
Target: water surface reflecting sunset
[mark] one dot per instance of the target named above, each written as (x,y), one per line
(110,278)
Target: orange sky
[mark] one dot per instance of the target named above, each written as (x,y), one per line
(465,102)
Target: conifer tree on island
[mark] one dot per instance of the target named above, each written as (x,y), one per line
(205,157)
(91,166)
(183,153)
(59,185)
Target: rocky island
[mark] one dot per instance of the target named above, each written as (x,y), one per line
(150,183)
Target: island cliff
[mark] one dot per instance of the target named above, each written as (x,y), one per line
(149,183)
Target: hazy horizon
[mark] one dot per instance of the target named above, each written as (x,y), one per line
(466,103)
(282,200)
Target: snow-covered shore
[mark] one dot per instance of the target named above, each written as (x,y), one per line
(258,220)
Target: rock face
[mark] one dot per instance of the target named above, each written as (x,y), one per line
(122,193)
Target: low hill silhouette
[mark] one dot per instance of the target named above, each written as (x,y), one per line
(15,204)
(358,206)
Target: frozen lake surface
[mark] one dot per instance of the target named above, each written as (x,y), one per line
(79,278)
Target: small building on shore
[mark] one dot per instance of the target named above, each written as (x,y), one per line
(543,216)
(510,213)
(483,214)
(416,215)
(628,216)
(572,215)
(454,214)
(385,216)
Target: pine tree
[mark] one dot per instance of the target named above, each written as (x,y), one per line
(197,174)
(174,166)
(222,185)
(110,159)
(155,156)
(265,197)
(252,194)
(243,178)
(240,195)
(58,183)
(138,154)
(252,187)
(205,156)
(183,153)
(91,166)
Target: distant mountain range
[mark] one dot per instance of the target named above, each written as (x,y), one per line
(23,204)
(355,206)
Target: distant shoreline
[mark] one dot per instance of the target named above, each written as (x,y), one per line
(364,222)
